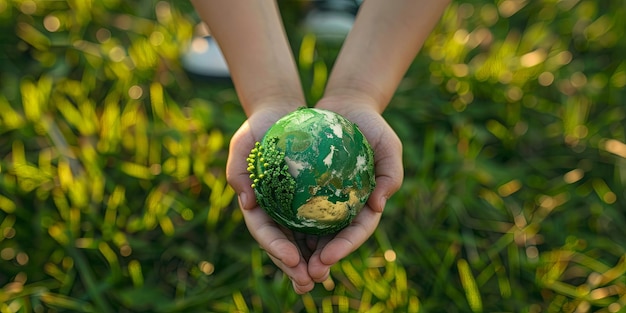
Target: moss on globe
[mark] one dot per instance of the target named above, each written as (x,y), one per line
(313,171)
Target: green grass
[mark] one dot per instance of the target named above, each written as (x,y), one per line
(113,195)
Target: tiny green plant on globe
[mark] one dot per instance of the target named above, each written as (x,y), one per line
(313,171)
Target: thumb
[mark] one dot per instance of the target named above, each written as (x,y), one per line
(389,172)
(237,174)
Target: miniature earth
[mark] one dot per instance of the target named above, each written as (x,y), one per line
(313,171)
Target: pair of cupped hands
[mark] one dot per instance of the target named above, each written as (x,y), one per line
(307,259)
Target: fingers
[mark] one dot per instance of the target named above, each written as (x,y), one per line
(389,175)
(308,259)
(251,131)
(318,271)
(300,279)
(236,167)
(266,232)
(351,237)
(344,243)
(388,166)
(387,155)
(280,248)
(279,243)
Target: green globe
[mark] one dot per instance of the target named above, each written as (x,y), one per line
(313,171)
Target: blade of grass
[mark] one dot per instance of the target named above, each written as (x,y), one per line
(468,282)
(88,278)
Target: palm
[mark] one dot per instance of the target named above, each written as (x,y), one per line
(280,243)
(389,174)
(307,258)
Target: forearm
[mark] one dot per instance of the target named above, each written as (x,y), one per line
(253,41)
(383,42)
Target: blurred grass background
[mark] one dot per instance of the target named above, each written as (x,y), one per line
(113,196)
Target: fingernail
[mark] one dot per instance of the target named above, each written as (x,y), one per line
(324,277)
(243,200)
(382,202)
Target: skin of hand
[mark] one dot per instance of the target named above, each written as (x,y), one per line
(307,259)
(384,40)
(263,70)
(389,175)
(361,84)
(280,243)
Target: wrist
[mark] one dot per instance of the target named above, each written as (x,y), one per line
(274,103)
(350,102)
(343,92)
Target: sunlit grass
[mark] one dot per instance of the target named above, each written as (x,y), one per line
(113,195)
